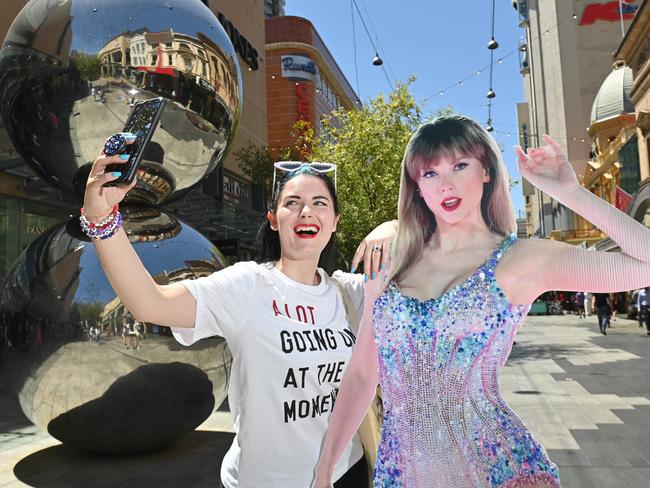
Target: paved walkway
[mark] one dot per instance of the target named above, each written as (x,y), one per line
(586,397)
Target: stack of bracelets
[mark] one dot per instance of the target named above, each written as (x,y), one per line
(104,229)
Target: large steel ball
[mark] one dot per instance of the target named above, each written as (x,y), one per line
(71,70)
(82,368)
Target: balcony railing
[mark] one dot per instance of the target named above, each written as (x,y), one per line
(577,235)
(524,67)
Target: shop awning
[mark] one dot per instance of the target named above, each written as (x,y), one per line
(158,70)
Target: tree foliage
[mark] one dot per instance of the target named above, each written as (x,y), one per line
(89,66)
(257,162)
(92,312)
(367,144)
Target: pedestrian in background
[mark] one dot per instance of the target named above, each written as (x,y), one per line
(643,306)
(602,305)
(634,300)
(580,304)
(588,299)
(613,298)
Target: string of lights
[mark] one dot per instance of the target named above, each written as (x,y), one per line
(377,61)
(354,44)
(484,105)
(493,45)
(478,71)
(531,135)
(382,51)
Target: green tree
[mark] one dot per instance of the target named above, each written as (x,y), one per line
(367,144)
(257,162)
(92,312)
(89,66)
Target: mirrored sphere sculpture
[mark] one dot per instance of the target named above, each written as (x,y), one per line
(70,71)
(83,368)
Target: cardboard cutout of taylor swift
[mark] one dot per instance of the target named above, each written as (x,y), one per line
(439,325)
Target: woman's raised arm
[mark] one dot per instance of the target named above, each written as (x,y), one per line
(554,265)
(170,305)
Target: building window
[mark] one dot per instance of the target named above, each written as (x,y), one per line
(170,60)
(154,59)
(523,58)
(628,156)
(522,10)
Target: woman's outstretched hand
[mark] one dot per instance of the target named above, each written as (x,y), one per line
(547,168)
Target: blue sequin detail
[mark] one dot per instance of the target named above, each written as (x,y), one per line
(445,421)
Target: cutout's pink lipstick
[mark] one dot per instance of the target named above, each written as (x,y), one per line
(450,204)
(306,231)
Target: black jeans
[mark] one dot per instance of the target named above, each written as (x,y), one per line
(356,476)
(603,312)
(644,315)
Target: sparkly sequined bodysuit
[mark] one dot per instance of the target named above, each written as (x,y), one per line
(445,421)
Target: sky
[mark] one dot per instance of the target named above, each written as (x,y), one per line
(440,43)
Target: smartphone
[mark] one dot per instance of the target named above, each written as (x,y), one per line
(141,123)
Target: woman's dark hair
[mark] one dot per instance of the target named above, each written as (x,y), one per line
(268,240)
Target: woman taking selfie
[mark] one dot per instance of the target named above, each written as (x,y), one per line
(283,318)
(438,330)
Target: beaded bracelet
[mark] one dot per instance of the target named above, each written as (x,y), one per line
(104,229)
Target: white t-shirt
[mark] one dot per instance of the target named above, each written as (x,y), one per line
(290,344)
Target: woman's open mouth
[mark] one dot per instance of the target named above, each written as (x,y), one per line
(306,231)
(450,204)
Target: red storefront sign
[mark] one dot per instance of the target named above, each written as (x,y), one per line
(157,70)
(610,11)
(623,199)
(303,101)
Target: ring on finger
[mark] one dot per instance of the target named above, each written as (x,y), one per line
(376,249)
(114,145)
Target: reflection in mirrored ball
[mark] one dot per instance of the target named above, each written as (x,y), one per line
(70,73)
(83,368)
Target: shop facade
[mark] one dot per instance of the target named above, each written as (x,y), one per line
(303,80)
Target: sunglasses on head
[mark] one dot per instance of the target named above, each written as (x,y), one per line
(291,166)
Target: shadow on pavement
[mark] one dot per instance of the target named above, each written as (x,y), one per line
(522,351)
(194,461)
(143,410)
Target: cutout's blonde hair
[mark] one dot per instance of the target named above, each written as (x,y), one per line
(452,136)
